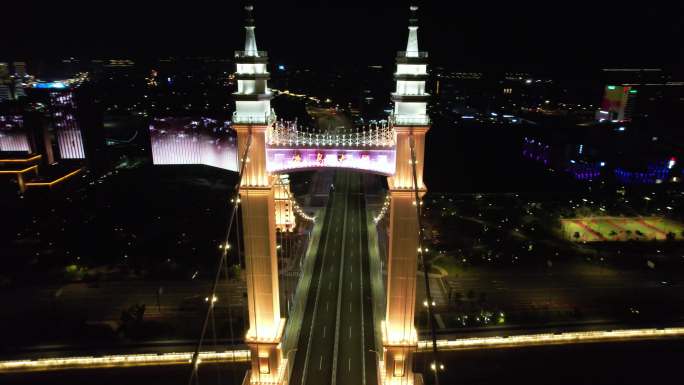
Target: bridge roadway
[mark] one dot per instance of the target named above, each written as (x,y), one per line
(337,331)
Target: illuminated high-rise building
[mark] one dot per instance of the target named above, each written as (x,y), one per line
(618,103)
(13,136)
(19,91)
(20,69)
(70,122)
(66,127)
(5,92)
(4,72)
(636,93)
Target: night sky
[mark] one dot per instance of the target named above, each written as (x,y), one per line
(472,35)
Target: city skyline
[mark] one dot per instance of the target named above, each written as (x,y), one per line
(520,36)
(331,200)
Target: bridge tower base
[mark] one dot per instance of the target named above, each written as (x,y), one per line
(399,336)
(257,202)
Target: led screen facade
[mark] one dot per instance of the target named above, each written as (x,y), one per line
(193,141)
(13,137)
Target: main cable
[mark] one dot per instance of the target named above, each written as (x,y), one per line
(222,260)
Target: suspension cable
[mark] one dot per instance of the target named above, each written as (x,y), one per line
(421,235)
(222,259)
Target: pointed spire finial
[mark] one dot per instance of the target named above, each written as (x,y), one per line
(412,45)
(413,19)
(249,21)
(250,39)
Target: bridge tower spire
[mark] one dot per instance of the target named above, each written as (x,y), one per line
(251,120)
(250,39)
(411,123)
(412,44)
(253,97)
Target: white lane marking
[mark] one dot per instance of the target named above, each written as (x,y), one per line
(350,286)
(323,331)
(350,307)
(318,292)
(320,363)
(363,330)
(351,268)
(349,364)
(350,332)
(326,306)
(339,297)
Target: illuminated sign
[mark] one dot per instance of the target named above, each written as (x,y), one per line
(378,161)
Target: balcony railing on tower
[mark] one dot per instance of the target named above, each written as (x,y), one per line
(267,118)
(409,54)
(242,54)
(409,120)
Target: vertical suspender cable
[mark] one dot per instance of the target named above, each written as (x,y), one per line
(431,316)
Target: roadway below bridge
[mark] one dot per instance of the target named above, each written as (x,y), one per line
(337,331)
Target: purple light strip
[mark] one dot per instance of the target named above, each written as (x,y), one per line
(292,159)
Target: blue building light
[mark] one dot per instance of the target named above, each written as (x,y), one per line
(50,85)
(281,67)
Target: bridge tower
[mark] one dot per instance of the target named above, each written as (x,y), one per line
(251,119)
(411,123)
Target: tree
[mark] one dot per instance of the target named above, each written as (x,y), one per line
(470,295)
(132,317)
(457,297)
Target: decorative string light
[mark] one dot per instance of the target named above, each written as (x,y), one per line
(384,209)
(285,133)
(295,206)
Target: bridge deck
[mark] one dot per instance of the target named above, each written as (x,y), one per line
(337,331)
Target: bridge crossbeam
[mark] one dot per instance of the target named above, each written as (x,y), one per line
(288,134)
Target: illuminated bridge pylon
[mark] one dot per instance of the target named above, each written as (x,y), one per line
(371,149)
(395,149)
